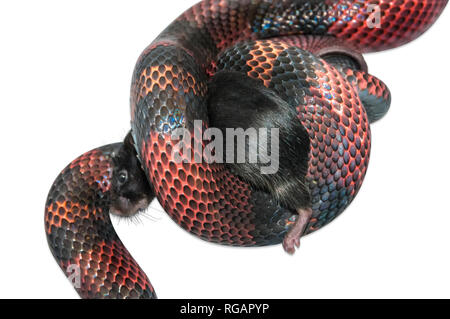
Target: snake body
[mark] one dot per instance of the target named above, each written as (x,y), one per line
(308,53)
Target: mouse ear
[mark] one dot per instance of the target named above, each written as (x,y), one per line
(126,148)
(129,141)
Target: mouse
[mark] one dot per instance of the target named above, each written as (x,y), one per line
(131,193)
(239,102)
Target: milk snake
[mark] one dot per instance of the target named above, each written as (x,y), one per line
(308,52)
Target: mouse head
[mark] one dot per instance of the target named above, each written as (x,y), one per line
(130,191)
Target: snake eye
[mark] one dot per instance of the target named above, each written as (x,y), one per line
(123,177)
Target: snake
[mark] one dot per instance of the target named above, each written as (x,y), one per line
(308,52)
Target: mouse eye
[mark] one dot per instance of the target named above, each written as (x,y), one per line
(123,177)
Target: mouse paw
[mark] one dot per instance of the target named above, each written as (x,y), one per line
(290,242)
(292,238)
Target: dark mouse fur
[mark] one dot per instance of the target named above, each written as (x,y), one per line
(131,192)
(237,101)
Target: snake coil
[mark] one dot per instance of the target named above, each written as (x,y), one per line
(309,53)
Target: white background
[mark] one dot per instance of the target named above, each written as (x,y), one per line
(65,73)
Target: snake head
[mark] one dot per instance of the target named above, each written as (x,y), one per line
(131,193)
